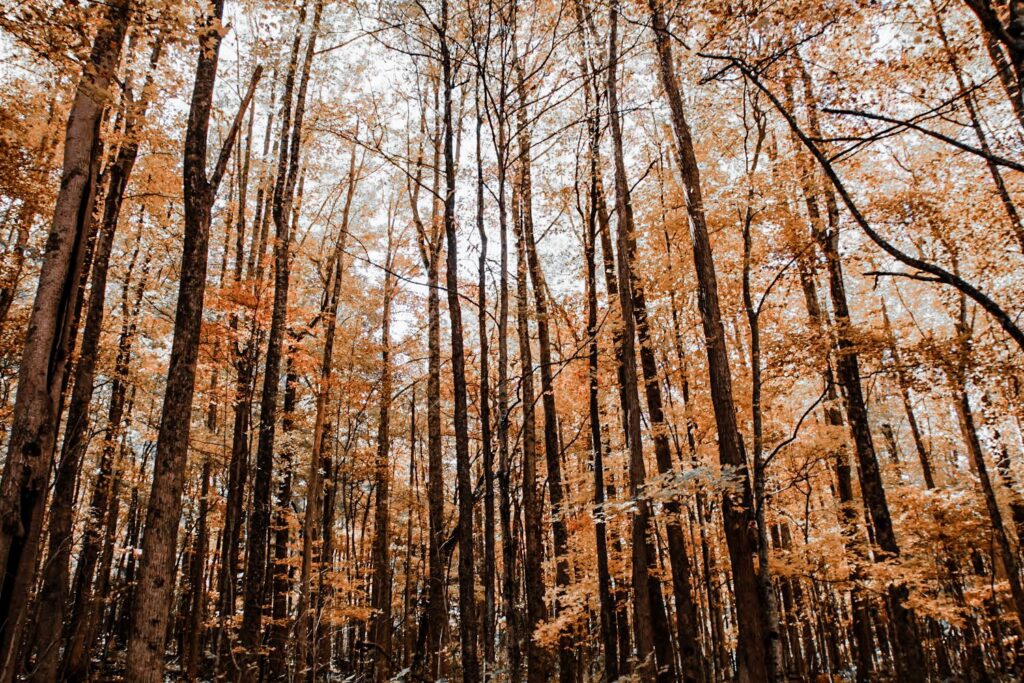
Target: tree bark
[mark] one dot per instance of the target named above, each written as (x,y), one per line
(152,602)
(737,511)
(381,590)
(43,367)
(284,192)
(566,654)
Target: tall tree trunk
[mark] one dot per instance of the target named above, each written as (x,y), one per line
(538,668)
(775,658)
(467,598)
(737,511)
(43,367)
(909,658)
(566,654)
(607,602)
(508,550)
(55,584)
(152,601)
(381,591)
(426,661)
(284,192)
(608,615)
(485,404)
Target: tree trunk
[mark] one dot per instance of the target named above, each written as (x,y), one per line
(737,511)
(152,603)
(607,602)
(44,362)
(381,591)
(467,598)
(566,654)
(538,668)
(284,191)
(485,406)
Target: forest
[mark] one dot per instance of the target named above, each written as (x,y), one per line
(512,340)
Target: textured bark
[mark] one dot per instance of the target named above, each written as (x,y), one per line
(1008,35)
(485,405)
(566,653)
(284,193)
(736,508)
(55,586)
(909,657)
(775,663)
(467,598)
(508,552)
(538,667)
(381,558)
(152,601)
(278,570)
(42,371)
(426,661)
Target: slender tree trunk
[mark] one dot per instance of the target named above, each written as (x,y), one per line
(566,654)
(538,668)
(607,602)
(152,601)
(44,362)
(284,192)
(737,511)
(485,406)
(381,591)
(244,364)
(426,661)
(608,616)
(467,598)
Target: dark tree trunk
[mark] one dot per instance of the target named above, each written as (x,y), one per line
(284,192)
(381,590)
(467,599)
(737,511)
(485,405)
(566,654)
(538,668)
(152,601)
(43,367)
